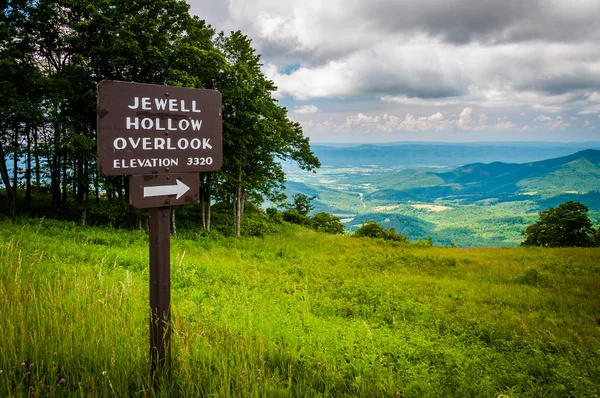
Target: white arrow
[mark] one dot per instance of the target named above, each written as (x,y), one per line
(164,190)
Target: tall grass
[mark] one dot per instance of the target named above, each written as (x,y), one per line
(299,314)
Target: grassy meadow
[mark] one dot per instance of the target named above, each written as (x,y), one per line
(297,314)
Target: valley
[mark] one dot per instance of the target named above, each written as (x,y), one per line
(475,204)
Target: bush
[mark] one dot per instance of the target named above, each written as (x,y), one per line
(374,230)
(255,226)
(274,215)
(294,217)
(328,223)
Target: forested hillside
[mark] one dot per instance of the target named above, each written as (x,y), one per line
(477,204)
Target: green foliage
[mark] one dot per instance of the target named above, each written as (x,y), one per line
(274,215)
(294,217)
(373,230)
(328,223)
(424,243)
(54,53)
(302,204)
(565,226)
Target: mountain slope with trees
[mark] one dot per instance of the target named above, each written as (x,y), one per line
(578,172)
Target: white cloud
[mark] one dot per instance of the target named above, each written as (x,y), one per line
(558,124)
(437,122)
(506,125)
(426,57)
(306,109)
(588,124)
(464,119)
(543,118)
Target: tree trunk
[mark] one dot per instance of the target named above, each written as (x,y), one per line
(84,192)
(238,210)
(12,204)
(202,200)
(173,224)
(208,202)
(55,182)
(36,154)
(96,177)
(84,212)
(64,183)
(205,199)
(75,178)
(53,157)
(202,209)
(28,170)
(15,166)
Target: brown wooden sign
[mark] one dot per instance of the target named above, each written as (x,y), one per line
(159,190)
(153,129)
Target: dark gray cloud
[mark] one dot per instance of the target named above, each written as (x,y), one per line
(578,81)
(424,84)
(487,21)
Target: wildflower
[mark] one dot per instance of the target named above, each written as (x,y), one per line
(22,363)
(258,378)
(42,383)
(318,363)
(28,373)
(62,381)
(241,377)
(202,334)
(243,372)
(31,387)
(31,365)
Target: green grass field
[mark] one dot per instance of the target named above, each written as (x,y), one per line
(298,314)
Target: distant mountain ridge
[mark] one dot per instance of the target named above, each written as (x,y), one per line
(440,154)
(575,173)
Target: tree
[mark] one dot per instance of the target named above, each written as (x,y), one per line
(54,52)
(565,226)
(302,203)
(256,131)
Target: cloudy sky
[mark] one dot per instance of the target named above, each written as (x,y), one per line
(427,70)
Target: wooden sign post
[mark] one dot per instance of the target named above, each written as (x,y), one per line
(161,137)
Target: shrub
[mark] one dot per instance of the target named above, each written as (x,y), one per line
(274,215)
(328,223)
(294,217)
(373,230)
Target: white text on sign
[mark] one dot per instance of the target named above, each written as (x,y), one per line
(163,104)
